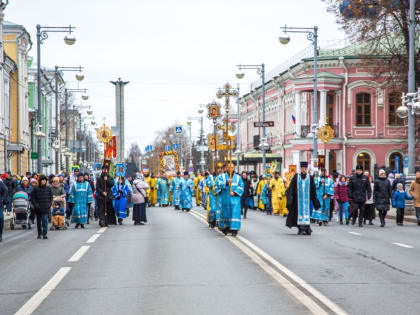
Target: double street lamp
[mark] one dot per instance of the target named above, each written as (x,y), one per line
(240,75)
(311,35)
(42,35)
(201,119)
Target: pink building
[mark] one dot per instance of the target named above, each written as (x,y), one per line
(360,108)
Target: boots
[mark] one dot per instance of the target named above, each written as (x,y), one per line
(382,217)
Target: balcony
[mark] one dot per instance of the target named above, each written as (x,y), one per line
(306,129)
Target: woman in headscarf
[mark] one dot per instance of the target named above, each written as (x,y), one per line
(139,200)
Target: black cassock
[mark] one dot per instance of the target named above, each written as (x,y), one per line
(101,186)
(292,201)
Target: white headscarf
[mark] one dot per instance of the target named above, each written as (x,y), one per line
(140,177)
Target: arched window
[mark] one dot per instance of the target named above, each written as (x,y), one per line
(363,159)
(396,162)
(363,107)
(394,101)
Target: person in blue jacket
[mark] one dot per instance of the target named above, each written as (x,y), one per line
(398,201)
(120,192)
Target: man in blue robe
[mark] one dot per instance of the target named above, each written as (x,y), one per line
(187,190)
(231,190)
(324,191)
(81,197)
(301,193)
(163,191)
(176,190)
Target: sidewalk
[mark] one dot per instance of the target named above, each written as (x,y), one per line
(392,214)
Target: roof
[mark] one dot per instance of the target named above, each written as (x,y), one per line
(8,24)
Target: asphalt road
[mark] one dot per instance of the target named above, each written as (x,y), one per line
(177,265)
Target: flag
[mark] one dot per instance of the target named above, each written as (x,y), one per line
(294,119)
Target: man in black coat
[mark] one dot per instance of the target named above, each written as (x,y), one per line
(11,188)
(246,195)
(106,212)
(41,198)
(3,196)
(359,191)
(300,217)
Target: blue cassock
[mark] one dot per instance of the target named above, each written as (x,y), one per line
(209,182)
(201,185)
(327,188)
(187,190)
(163,191)
(158,192)
(80,196)
(230,215)
(176,191)
(120,194)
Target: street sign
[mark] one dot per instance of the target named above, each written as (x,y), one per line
(148,148)
(168,148)
(34,155)
(175,146)
(202,148)
(178,129)
(258,124)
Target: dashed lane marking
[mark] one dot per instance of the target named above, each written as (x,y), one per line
(93,238)
(256,254)
(403,245)
(355,233)
(102,230)
(77,255)
(36,300)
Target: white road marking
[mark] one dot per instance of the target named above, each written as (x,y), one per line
(403,245)
(253,251)
(102,230)
(77,255)
(355,233)
(36,300)
(93,238)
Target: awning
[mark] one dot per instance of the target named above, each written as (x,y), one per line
(15,147)
(257,157)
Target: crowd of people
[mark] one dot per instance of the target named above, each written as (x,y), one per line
(57,201)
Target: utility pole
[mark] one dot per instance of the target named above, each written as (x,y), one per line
(120,117)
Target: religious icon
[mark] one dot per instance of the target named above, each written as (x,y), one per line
(212,141)
(213,110)
(121,169)
(169,164)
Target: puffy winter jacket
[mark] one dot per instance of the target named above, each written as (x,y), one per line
(399,197)
(41,198)
(340,192)
(358,188)
(382,193)
(139,191)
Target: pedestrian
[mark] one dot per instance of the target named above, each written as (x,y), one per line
(120,192)
(278,195)
(213,211)
(415,193)
(335,175)
(163,189)
(398,201)
(324,191)
(92,186)
(104,185)
(42,198)
(260,188)
(187,191)
(246,195)
(196,188)
(81,197)
(176,190)
(3,196)
(11,188)
(254,186)
(369,206)
(342,198)
(139,199)
(398,179)
(266,196)
(302,192)
(382,195)
(358,190)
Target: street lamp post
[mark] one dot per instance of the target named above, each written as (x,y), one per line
(311,35)
(201,120)
(261,70)
(42,35)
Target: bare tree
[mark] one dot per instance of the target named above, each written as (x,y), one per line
(134,154)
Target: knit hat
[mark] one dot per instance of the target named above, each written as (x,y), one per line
(381,171)
(33,180)
(25,178)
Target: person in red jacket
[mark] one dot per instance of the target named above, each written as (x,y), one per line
(340,194)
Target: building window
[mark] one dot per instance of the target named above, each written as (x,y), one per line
(363,159)
(330,109)
(363,109)
(394,100)
(396,162)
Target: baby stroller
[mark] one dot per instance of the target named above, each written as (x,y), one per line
(58,214)
(21,210)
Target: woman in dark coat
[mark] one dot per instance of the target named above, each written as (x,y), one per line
(106,211)
(382,195)
(42,198)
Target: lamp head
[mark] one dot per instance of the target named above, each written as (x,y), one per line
(240,75)
(402,111)
(69,39)
(89,112)
(284,39)
(80,76)
(200,111)
(85,97)
(219,94)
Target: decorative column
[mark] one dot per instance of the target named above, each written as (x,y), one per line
(298,113)
(323,108)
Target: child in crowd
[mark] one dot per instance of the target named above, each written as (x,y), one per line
(398,201)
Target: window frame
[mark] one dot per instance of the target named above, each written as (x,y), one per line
(364,112)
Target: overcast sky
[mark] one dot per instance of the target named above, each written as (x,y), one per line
(174,53)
